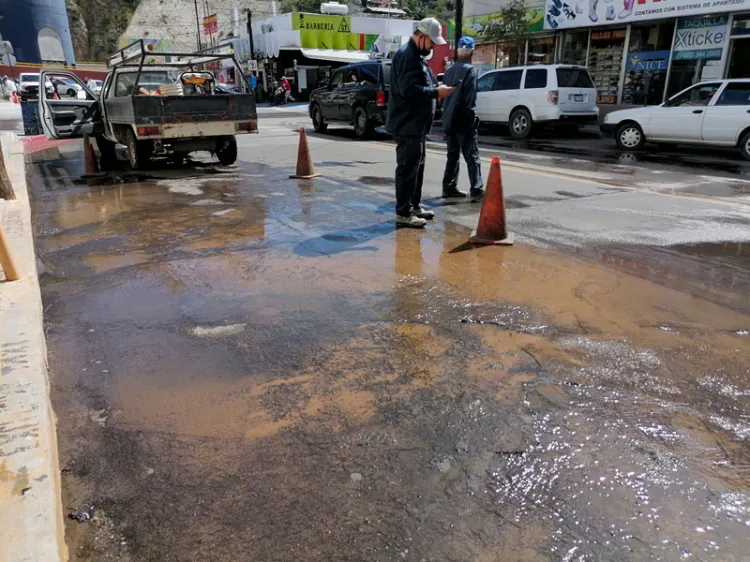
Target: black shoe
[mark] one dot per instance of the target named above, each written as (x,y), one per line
(454,194)
(477,194)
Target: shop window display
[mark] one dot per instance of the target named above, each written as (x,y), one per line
(541,51)
(574,46)
(605,62)
(647,63)
(696,55)
(739,52)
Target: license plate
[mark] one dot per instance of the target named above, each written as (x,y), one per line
(579,98)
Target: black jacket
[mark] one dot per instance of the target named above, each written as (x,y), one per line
(411,106)
(459,108)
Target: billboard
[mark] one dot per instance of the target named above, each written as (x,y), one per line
(474,26)
(210,25)
(560,15)
(328,31)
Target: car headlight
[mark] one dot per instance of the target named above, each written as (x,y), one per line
(606,118)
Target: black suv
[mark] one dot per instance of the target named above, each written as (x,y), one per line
(356,95)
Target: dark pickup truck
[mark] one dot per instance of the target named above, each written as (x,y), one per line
(167,108)
(355,95)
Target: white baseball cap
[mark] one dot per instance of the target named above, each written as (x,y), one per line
(431,27)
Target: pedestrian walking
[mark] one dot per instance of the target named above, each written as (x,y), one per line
(287,89)
(460,124)
(411,110)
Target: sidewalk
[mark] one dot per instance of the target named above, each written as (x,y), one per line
(31,522)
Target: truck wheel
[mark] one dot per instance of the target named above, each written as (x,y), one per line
(520,123)
(139,152)
(319,123)
(227,152)
(362,125)
(107,154)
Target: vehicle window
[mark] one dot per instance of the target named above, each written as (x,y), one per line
(351,77)
(368,74)
(486,82)
(29,78)
(338,79)
(508,80)
(697,95)
(736,93)
(386,70)
(535,78)
(573,78)
(149,81)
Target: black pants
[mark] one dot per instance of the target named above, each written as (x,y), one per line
(409,173)
(462,141)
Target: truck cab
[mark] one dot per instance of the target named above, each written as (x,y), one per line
(166,107)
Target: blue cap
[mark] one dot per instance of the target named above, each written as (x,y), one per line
(466,43)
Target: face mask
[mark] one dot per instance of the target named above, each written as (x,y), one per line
(424,51)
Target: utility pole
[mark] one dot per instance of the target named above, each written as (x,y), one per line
(250,32)
(458,27)
(198,26)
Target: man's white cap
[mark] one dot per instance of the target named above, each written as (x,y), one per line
(431,27)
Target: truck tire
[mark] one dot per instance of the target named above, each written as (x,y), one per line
(227,151)
(139,152)
(107,155)
(319,123)
(363,127)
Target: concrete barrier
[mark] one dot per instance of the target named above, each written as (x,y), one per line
(31,519)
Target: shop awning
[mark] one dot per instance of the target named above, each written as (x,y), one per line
(336,55)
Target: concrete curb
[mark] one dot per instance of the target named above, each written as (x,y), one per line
(31,518)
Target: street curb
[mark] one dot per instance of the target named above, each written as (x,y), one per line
(31,517)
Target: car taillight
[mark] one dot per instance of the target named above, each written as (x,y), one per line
(380,98)
(246,126)
(553,96)
(148,131)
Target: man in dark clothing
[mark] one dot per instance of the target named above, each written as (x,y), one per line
(460,124)
(411,109)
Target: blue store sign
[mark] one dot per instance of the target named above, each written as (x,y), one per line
(648,60)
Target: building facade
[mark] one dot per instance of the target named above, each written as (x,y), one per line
(639,52)
(38,30)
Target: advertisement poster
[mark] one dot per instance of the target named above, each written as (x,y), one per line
(562,14)
(700,38)
(210,25)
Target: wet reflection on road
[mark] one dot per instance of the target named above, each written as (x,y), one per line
(249,367)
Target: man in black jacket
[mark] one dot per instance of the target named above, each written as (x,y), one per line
(411,109)
(460,124)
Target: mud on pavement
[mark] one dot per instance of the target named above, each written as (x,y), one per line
(251,368)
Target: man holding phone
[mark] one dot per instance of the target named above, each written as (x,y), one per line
(411,109)
(460,124)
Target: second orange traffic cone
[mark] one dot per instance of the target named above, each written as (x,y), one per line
(15,97)
(305,168)
(492,227)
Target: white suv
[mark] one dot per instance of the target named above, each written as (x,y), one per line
(526,95)
(713,113)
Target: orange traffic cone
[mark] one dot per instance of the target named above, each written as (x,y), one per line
(305,169)
(492,228)
(15,97)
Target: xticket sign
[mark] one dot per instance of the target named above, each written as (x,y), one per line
(700,38)
(569,14)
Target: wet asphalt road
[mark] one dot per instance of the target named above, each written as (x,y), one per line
(247,367)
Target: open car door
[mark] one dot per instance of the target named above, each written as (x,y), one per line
(68,118)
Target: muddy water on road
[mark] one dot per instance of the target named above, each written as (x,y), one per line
(251,368)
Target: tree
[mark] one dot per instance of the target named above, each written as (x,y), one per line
(420,9)
(510,28)
(309,6)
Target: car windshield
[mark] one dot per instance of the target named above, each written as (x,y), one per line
(573,78)
(29,78)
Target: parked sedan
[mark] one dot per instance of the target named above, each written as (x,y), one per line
(65,87)
(715,113)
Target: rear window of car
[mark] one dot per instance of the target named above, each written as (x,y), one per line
(369,73)
(535,78)
(573,78)
(386,70)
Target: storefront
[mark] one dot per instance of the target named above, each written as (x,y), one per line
(637,57)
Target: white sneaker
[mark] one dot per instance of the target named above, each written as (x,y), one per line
(423,213)
(610,13)
(410,221)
